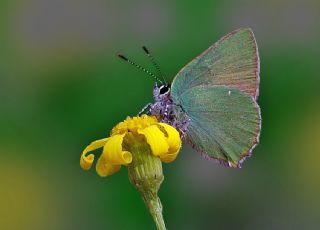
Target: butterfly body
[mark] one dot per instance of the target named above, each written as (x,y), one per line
(167,110)
(212,100)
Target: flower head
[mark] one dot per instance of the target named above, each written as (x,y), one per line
(162,139)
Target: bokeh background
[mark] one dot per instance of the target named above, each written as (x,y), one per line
(62,86)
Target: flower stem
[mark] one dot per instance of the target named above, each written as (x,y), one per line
(145,173)
(153,203)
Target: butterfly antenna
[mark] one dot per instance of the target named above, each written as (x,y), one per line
(139,67)
(155,64)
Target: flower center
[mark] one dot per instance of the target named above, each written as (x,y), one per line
(133,124)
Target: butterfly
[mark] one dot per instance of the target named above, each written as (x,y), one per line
(212,101)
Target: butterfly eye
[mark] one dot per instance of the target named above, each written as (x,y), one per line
(164,89)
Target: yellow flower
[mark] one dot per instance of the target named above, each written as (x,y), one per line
(163,140)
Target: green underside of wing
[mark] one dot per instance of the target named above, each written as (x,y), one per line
(225,122)
(232,61)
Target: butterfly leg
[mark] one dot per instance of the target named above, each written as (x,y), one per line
(146,108)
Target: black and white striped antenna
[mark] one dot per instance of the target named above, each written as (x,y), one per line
(155,64)
(139,67)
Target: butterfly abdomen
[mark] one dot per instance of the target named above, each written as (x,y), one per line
(168,112)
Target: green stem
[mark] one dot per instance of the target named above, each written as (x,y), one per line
(145,173)
(155,208)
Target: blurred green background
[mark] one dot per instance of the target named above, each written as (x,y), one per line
(62,86)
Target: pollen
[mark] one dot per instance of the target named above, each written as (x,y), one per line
(133,124)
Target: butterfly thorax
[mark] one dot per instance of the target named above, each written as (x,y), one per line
(167,111)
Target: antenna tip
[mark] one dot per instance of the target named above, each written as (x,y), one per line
(145,50)
(122,57)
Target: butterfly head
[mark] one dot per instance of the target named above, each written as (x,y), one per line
(162,92)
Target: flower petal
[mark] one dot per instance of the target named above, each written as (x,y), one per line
(173,140)
(156,140)
(113,153)
(87,161)
(104,169)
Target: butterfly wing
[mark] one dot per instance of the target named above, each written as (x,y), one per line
(218,92)
(224,122)
(232,61)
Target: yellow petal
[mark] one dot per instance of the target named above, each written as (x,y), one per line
(86,161)
(173,140)
(156,140)
(113,153)
(104,169)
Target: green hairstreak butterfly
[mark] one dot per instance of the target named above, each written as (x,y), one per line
(212,100)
